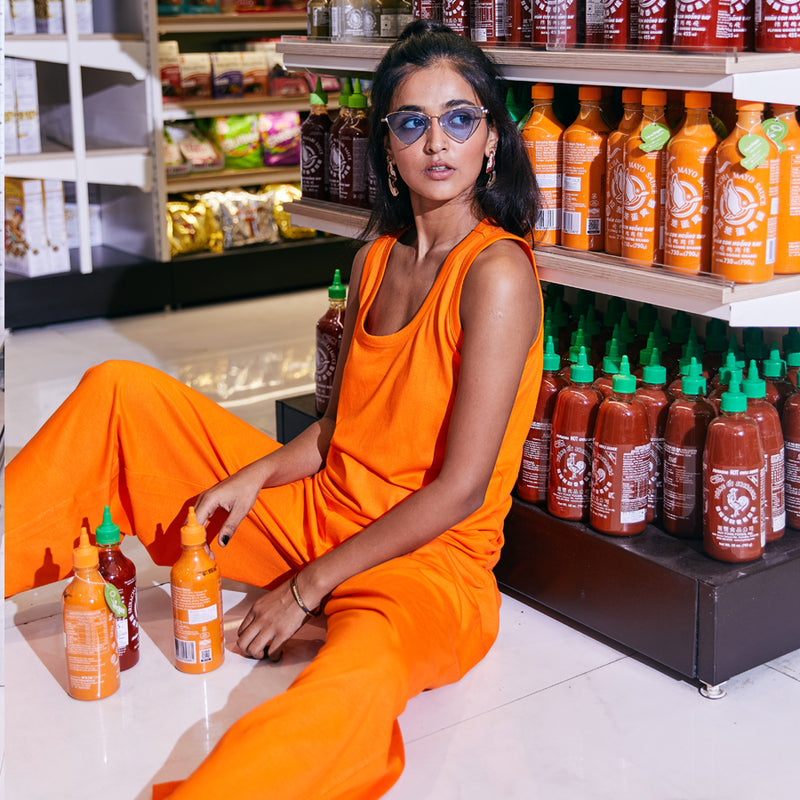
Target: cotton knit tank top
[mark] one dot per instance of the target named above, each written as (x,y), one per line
(397,398)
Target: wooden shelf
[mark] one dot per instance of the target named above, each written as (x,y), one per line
(227,178)
(225,23)
(199,109)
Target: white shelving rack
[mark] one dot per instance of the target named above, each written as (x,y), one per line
(755,76)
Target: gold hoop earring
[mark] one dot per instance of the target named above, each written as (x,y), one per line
(490,169)
(392,177)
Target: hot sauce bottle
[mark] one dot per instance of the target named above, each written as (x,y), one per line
(785,131)
(778,388)
(769,427)
(621,460)
(610,367)
(701,24)
(330,327)
(733,483)
(684,439)
(777,26)
(334,150)
(792,368)
(315,147)
(655,24)
(790,422)
(120,571)
(353,140)
(568,487)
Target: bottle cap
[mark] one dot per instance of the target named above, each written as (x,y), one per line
(318,97)
(679,328)
(551,360)
(654,97)
(511,105)
(577,344)
(793,359)
(644,353)
(697,99)
(747,105)
(107,532)
(731,365)
(191,532)
(357,100)
(615,308)
(590,93)
(791,341)
(754,387)
(612,358)
(344,95)
(336,291)
(542,91)
(774,366)
(631,96)
(646,318)
(581,371)
(693,382)
(734,400)
(85,556)
(626,332)
(559,314)
(623,382)
(654,373)
(716,340)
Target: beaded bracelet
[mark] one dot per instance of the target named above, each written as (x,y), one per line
(298,599)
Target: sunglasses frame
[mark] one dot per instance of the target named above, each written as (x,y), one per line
(430,117)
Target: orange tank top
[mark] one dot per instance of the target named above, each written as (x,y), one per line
(396,400)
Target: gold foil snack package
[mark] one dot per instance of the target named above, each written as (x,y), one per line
(283,195)
(191,227)
(243,217)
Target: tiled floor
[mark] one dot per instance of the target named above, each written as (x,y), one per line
(550,713)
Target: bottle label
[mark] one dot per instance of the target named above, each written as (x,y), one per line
(536,458)
(91,648)
(682,481)
(620,483)
(755,150)
(572,459)
(114,601)
(734,507)
(654,137)
(777,472)
(776,129)
(792,486)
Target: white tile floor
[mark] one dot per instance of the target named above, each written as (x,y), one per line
(550,713)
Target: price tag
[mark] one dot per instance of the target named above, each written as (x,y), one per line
(114,601)
(755,150)
(776,129)
(654,137)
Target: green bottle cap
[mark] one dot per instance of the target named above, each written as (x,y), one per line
(336,291)
(347,90)
(793,359)
(754,387)
(791,341)
(648,314)
(616,308)
(660,337)
(592,322)
(626,331)
(734,400)
(318,97)
(754,344)
(357,100)
(654,373)
(693,382)
(551,361)
(559,313)
(107,532)
(680,325)
(731,365)
(612,358)
(644,354)
(774,366)
(623,382)
(716,336)
(581,371)
(511,105)
(584,300)
(577,343)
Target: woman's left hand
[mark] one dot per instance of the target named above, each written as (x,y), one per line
(271,621)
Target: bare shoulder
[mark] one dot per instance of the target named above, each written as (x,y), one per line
(357,270)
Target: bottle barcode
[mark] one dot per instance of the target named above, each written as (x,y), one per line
(571,221)
(771,251)
(205,656)
(547,219)
(593,226)
(184,651)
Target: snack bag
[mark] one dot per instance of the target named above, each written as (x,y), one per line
(280,137)
(237,137)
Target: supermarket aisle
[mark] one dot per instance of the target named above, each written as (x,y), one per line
(550,713)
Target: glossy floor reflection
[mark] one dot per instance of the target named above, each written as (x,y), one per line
(550,714)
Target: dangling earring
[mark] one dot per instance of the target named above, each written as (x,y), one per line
(490,170)
(393,190)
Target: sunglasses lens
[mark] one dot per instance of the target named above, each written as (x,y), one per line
(461,123)
(407,126)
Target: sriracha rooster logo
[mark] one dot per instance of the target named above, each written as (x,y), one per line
(738,503)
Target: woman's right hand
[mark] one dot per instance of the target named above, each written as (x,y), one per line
(235,494)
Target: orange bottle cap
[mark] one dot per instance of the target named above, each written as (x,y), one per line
(781,108)
(191,532)
(654,97)
(590,93)
(541,91)
(747,105)
(84,556)
(698,99)
(631,95)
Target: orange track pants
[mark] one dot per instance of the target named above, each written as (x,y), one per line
(140,441)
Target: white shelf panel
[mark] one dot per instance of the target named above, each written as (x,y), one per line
(112,52)
(199,109)
(225,23)
(225,179)
(772,304)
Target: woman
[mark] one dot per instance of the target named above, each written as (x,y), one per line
(388,512)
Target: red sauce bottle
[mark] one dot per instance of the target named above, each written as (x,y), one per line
(733,483)
(655,24)
(652,393)
(556,24)
(334,150)
(353,139)
(792,367)
(621,460)
(427,9)
(701,24)
(487,21)
(315,147)
(120,571)
(330,327)
(535,468)
(769,428)
(568,487)
(790,423)
(778,388)
(742,26)
(610,367)
(455,14)
(684,439)
(777,26)
(620,23)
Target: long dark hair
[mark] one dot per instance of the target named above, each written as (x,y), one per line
(511,201)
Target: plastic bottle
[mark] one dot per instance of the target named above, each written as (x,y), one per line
(584,166)
(783,129)
(315,147)
(90,630)
(533,474)
(733,483)
(519,21)
(621,461)
(769,428)
(742,26)
(644,163)
(594,12)
(615,172)
(790,423)
(792,368)
(690,187)
(610,367)
(488,21)
(701,25)
(353,140)
(655,24)
(684,440)
(716,343)
(542,138)
(778,389)
(556,24)
(393,17)
(620,23)
(653,395)
(456,15)
(330,327)
(120,571)
(745,200)
(334,149)
(427,9)
(318,21)
(196,588)
(777,26)
(569,483)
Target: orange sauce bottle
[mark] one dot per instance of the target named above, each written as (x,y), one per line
(90,629)
(542,138)
(787,256)
(690,187)
(583,188)
(615,177)
(644,170)
(196,588)
(746,200)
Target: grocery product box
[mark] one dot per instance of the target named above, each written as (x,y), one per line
(10,109)
(195,75)
(226,75)
(71,216)
(49,16)
(24,15)
(27,106)
(26,249)
(169,64)
(55,222)
(255,82)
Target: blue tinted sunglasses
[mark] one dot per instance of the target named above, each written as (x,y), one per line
(458,123)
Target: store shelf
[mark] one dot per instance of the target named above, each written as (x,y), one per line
(768,77)
(197,109)
(227,178)
(775,303)
(225,23)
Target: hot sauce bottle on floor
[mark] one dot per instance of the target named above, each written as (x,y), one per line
(196,588)
(790,423)
(568,487)
(621,460)
(89,629)
(330,327)
(733,483)
(120,571)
